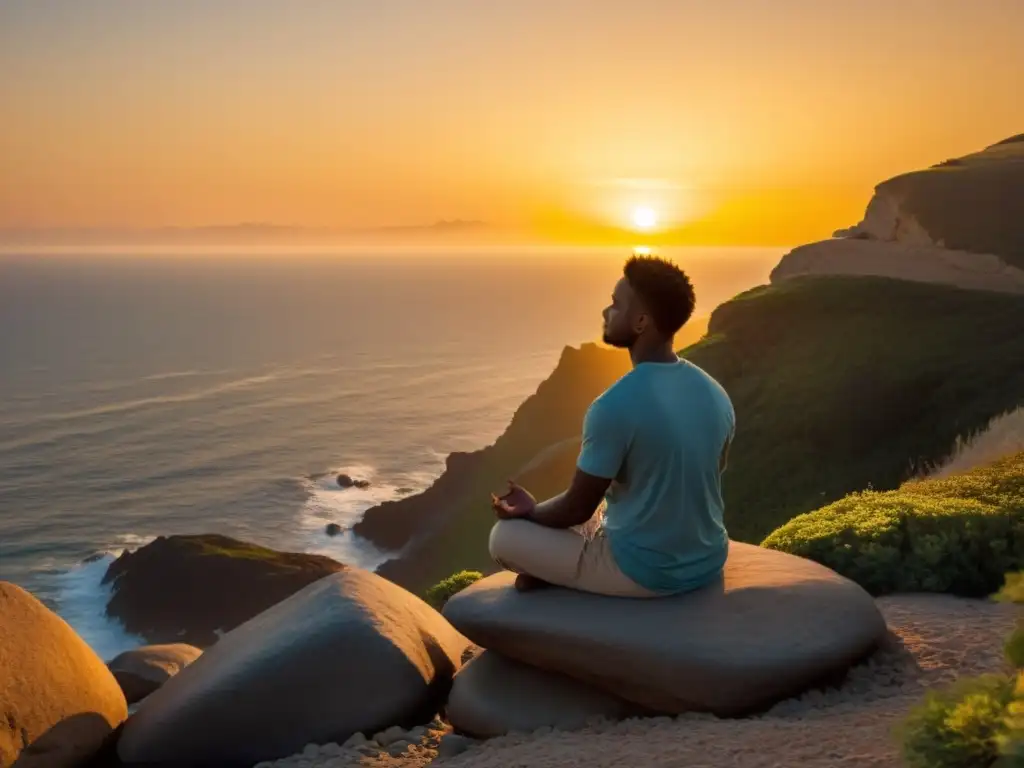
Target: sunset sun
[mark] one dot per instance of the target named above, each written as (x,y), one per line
(644,217)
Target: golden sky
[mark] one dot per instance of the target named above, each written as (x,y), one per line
(735,121)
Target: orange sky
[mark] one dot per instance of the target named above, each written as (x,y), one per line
(753,121)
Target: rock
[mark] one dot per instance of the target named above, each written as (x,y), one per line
(332,529)
(355,740)
(58,701)
(493,695)
(346,481)
(388,735)
(773,627)
(452,744)
(186,588)
(396,748)
(141,671)
(350,653)
(392,524)
(916,262)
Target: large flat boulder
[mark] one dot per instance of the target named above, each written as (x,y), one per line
(141,671)
(350,653)
(189,589)
(493,695)
(58,700)
(772,627)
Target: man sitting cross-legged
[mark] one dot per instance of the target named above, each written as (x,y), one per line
(654,448)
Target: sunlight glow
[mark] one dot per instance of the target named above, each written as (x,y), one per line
(644,217)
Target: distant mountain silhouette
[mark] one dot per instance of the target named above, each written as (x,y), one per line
(245,233)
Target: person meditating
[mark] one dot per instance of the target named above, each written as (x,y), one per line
(654,447)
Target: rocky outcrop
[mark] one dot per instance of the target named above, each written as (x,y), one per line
(919,262)
(191,588)
(347,481)
(392,525)
(972,203)
(960,222)
(59,702)
(494,695)
(773,627)
(141,671)
(351,653)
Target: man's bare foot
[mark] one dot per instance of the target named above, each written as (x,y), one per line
(527,583)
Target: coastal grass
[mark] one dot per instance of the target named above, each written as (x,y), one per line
(956,535)
(1002,436)
(235,549)
(440,593)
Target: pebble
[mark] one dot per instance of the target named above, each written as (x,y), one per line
(388,735)
(355,740)
(396,748)
(453,744)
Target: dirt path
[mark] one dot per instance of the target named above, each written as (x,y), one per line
(936,639)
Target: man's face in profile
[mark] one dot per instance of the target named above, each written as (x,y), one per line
(621,327)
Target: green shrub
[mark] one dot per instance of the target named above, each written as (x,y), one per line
(960,727)
(956,535)
(439,594)
(978,722)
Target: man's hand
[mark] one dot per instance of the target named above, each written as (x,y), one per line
(517,502)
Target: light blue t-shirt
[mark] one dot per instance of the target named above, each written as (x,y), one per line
(659,434)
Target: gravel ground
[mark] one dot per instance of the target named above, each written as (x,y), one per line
(935,639)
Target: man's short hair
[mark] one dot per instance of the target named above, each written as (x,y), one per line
(665,290)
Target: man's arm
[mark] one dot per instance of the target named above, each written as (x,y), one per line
(574,506)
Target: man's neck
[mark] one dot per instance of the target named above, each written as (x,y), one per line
(658,352)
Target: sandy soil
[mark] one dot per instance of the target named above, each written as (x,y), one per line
(935,639)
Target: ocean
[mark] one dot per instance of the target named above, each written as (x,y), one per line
(212,391)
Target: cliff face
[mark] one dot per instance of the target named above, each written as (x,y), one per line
(960,222)
(973,203)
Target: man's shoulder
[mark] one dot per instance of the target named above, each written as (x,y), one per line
(618,391)
(699,375)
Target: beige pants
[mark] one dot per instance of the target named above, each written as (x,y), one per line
(561,556)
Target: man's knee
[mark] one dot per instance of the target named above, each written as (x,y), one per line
(504,542)
(497,543)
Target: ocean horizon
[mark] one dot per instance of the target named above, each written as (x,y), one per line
(156,395)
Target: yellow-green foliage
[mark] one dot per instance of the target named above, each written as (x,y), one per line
(439,594)
(960,727)
(977,723)
(957,535)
